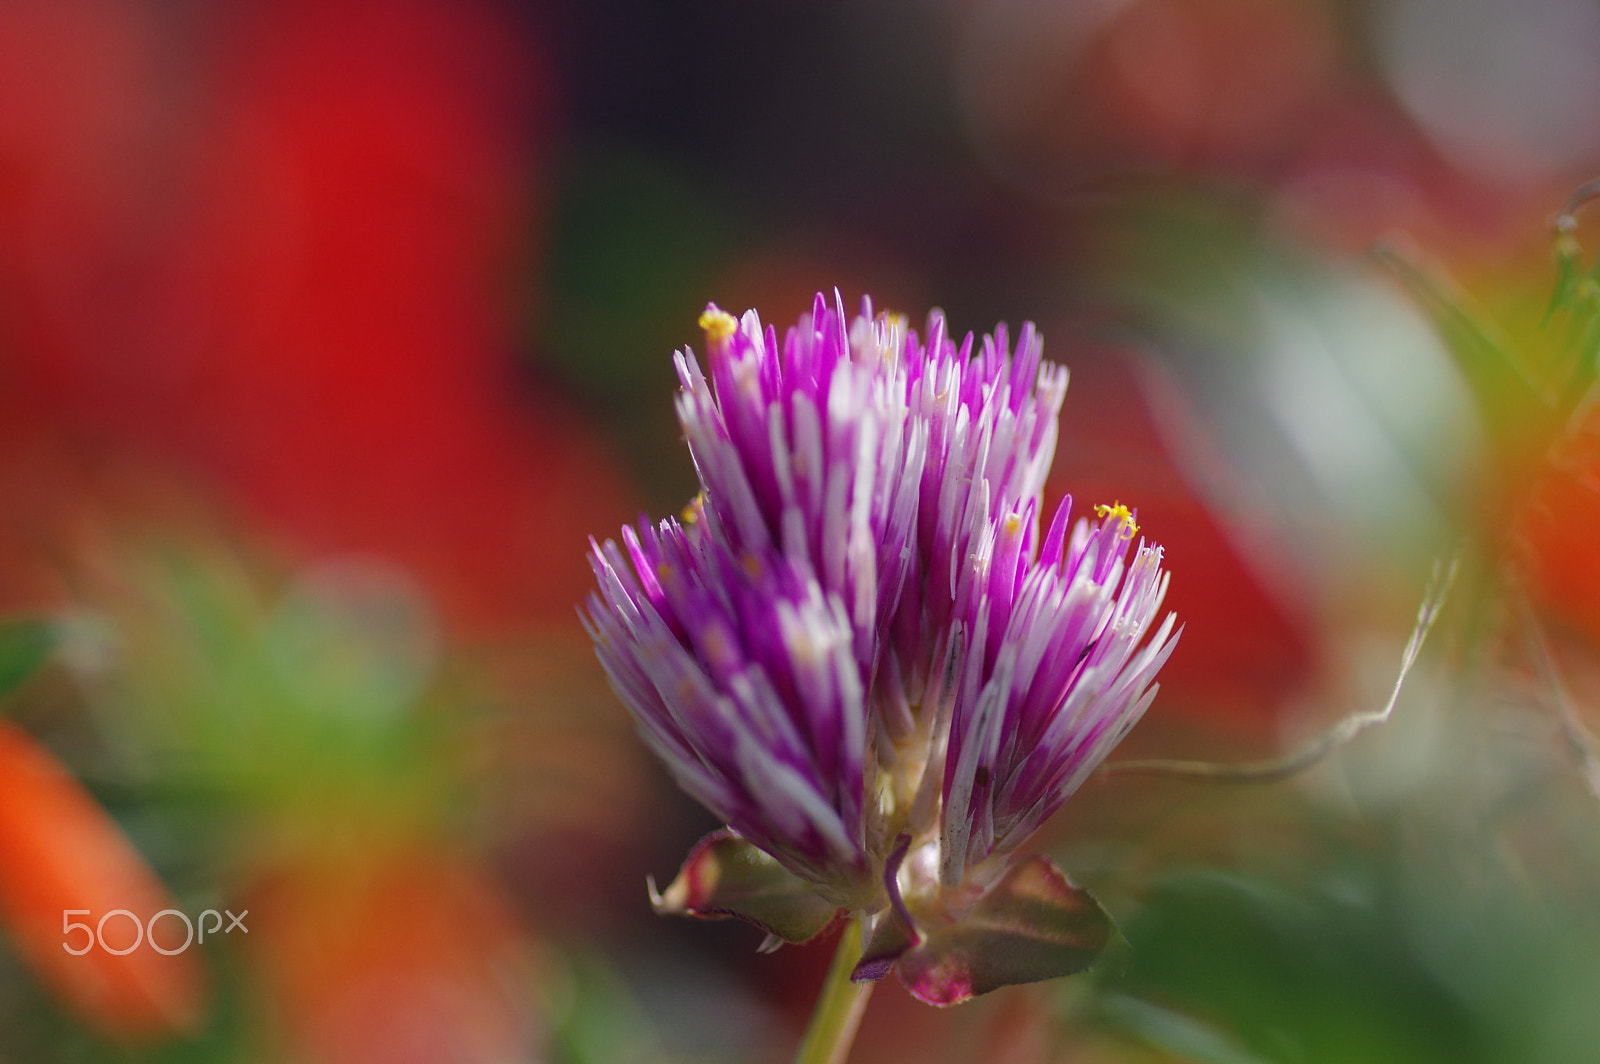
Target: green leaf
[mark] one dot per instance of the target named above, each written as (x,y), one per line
(1320,974)
(24,645)
(591,1013)
(1034,924)
(726,876)
(1181,1035)
(1507,392)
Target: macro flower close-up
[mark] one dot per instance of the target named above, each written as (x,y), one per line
(440,623)
(856,648)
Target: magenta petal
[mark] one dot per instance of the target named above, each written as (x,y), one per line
(725,875)
(1034,924)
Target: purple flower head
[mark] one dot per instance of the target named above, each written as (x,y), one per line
(991,423)
(741,676)
(854,649)
(809,450)
(1053,676)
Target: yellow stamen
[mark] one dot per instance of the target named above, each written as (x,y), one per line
(691,512)
(717,323)
(1121,514)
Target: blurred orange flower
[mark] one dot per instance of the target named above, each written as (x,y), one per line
(1553,533)
(404,955)
(61,853)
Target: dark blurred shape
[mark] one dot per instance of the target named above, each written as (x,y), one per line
(1057,95)
(1219,84)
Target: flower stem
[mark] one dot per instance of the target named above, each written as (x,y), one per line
(839,1006)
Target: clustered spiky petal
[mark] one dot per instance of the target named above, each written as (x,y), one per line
(809,451)
(1054,676)
(741,676)
(853,643)
(991,425)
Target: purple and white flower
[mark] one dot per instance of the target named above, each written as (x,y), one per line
(854,648)
(1054,675)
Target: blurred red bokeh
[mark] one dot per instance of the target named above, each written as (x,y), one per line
(282,267)
(261,262)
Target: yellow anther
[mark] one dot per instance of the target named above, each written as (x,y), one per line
(1122,515)
(690,514)
(717,323)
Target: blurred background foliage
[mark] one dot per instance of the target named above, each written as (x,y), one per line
(330,329)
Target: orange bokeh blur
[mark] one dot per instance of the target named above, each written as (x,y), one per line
(62,854)
(394,955)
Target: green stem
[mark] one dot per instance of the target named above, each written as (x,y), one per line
(839,1006)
